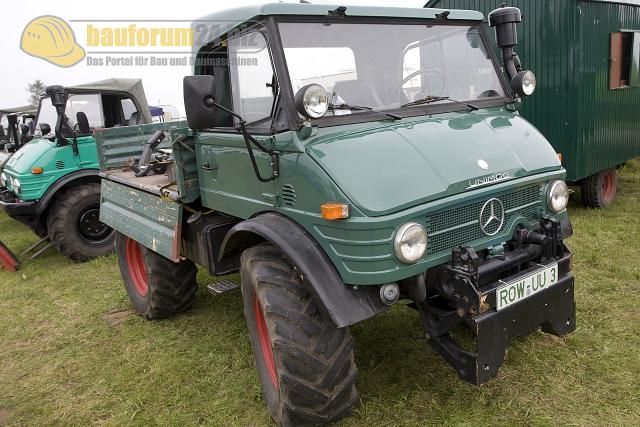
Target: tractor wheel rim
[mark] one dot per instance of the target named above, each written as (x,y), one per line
(607,186)
(265,342)
(91,229)
(137,269)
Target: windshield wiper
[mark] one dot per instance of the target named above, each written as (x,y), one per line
(429,99)
(345,106)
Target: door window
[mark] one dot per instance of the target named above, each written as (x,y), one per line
(252,76)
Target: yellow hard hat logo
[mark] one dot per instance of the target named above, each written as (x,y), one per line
(52,39)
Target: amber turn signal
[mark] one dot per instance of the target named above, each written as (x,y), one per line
(334,211)
(37,170)
(560,157)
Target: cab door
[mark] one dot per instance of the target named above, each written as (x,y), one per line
(247,86)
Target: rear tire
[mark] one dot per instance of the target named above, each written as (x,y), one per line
(305,363)
(158,287)
(599,190)
(73,224)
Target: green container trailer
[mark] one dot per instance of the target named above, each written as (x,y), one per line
(586,57)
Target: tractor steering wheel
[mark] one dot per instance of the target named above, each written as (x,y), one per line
(424,72)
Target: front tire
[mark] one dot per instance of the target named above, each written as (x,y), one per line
(305,363)
(73,224)
(158,287)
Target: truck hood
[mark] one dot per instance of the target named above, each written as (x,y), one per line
(23,160)
(392,166)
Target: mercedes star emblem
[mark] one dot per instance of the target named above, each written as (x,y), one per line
(491,217)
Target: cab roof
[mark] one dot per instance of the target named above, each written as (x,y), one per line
(131,87)
(220,23)
(25,109)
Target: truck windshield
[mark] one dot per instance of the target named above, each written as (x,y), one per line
(384,66)
(90,104)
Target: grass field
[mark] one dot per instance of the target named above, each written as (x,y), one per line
(73,353)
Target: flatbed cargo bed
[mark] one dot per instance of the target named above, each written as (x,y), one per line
(155,184)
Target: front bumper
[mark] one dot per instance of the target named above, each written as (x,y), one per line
(466,296)
(14,207)
(27,213)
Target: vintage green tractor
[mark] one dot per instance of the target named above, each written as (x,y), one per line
(342,159)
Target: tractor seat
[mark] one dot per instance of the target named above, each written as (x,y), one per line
(135,119)
(83,123)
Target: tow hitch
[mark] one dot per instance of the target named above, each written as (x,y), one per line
(8,261)
(537,272)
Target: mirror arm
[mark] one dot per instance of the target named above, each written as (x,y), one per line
(275,160)
(248,140)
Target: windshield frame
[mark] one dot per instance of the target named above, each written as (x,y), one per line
(405,112)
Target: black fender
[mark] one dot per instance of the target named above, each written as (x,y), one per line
(82,174)
(342,303)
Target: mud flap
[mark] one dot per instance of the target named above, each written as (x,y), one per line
(8,261)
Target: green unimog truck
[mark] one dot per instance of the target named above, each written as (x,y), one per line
(343,159)
(51,184)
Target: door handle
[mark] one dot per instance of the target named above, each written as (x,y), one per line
(205,166)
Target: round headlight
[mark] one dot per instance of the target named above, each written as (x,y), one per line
(558,196)
(524,83)
(312,101)
(410,242)
(3,179)
(16,185)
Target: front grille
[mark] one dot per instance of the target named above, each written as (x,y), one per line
(459,225)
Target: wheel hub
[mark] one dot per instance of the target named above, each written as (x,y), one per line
(608,186)
(90,226)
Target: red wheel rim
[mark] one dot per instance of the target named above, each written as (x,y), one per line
(608,186)
(265,342)
(137,269)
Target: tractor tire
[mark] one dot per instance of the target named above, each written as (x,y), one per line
(73,224)
(599,190)
(305,362)
(158,287)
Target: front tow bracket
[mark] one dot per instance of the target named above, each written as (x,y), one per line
(553,310)
(465,294)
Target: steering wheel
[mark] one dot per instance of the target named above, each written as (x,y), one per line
(423,92)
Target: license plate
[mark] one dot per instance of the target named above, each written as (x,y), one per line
(524,287)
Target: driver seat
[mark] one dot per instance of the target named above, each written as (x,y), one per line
(135,119)
(357,92)
(83,123)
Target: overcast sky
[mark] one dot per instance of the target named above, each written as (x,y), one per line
(163,85)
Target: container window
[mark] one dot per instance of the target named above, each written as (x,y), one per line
(624,70)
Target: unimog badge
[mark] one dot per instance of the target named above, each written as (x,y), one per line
(489,179)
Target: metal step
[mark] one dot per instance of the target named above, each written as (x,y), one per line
(222,286)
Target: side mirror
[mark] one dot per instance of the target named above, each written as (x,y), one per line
(199,102)
(45,129)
